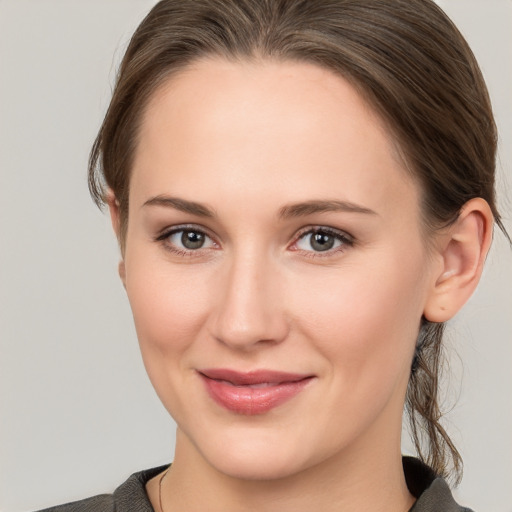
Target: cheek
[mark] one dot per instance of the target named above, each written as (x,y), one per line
(364,320)
(169,305)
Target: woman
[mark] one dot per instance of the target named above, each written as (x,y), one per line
(303,193)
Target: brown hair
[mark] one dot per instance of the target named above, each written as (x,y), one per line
(404,56)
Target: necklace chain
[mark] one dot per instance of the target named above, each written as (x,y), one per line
(160,490)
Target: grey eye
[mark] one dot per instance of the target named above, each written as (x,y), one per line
(192,239)
(187,239)
(321,241)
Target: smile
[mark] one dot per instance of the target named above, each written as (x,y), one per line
(251,393)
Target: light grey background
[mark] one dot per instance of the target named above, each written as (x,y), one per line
(77,413)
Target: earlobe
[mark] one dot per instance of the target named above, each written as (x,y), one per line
(122,272)
(463,249)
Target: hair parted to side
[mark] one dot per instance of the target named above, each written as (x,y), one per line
(404,56)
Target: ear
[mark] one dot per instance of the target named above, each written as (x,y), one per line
(115,218)
(462,249)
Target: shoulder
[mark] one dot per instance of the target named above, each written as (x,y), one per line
(438,497)
(432,492)
(130,496)
(100,503)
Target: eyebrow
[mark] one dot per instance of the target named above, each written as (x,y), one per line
(312,207)
(289,211)
(181,204)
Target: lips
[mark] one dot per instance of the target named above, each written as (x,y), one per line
(255,392)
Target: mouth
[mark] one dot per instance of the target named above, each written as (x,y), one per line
(255,392)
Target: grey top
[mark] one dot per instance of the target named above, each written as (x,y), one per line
(431,491)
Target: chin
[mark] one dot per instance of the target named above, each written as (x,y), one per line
(262,467)
(249,456)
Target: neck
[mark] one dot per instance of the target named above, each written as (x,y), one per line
(349,482)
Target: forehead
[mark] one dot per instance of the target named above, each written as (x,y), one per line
(277,95)
(277,128)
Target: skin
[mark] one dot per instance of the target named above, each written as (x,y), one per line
(260,137)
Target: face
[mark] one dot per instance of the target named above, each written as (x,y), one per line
(275,266)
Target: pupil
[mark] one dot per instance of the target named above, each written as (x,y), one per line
(192,239)
(322,241)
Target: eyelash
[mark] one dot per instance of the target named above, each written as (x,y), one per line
(163,238)
(346,241)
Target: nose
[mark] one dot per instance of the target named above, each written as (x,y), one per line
(249,312)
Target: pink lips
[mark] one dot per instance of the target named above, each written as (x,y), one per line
(254,392)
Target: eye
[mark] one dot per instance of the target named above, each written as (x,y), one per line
(323,240)
(188,239)
(184,240)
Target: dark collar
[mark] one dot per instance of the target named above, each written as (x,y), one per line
(431,491)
